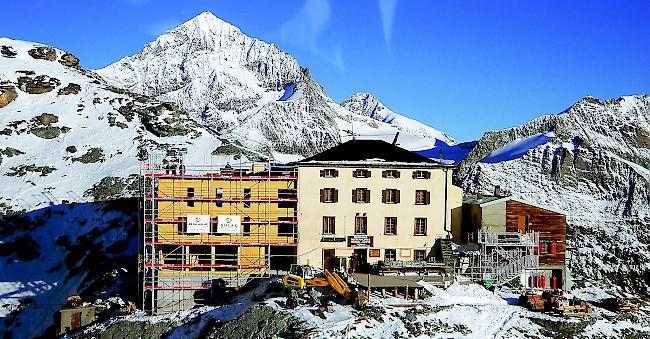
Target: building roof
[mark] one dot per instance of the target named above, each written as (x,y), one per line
(485,201)
(371,151)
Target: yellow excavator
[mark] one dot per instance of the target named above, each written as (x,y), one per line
(303,276)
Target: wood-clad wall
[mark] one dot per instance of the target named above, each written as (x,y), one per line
(550,225)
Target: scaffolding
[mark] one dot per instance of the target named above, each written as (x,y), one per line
(179,269)
(502,257)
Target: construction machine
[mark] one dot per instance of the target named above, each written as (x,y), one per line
(554,302)
(303,277)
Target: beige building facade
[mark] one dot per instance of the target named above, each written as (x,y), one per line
(367,201)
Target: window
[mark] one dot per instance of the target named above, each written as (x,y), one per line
(190,192)
(390,225)
(289,195)
(523,223)
(421,174)
(329,195)
(190,203)
(329,226)
(390,196)
(422,197)
(360,225)
(361,173)
(390,254)
(393,174)
(247,195)
(219,195)
(247,225)
(361,195)
(419,255)
(329,173)
(420,226)
(374,253)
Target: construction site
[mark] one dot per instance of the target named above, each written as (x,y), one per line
(213,226)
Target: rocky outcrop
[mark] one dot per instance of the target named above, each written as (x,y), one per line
(37,85)
(7,95)
(7,52)
(43,52)
(47,119)
(71,88)
(69,60)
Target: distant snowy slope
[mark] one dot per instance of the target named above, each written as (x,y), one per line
(592,161)
(366,104)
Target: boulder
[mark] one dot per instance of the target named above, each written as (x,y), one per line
(7,52)
(71,88)
(37,85)
(47,119)
(71,149)
(44,52)
(7,95)
(70,60)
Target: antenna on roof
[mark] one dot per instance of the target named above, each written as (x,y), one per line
(395,139)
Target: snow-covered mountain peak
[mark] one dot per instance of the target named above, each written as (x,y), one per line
(250,90)
(366,104)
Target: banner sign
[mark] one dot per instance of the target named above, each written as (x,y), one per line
(228,224)
(360,241)
(332,239)
(198,224)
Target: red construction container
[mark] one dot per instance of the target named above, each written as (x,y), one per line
(554,247)
(542,281)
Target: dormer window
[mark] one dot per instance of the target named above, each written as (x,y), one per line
(361,173)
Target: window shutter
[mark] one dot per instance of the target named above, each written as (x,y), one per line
(354,173)
(368,173)
(367,195)
(322,173)
(427,175)
(397,196)
(384,193)
(396,174)
(335,195)
(427,198)
(336,173)
(322,195)
(413,175)
(354,195)
(384,174)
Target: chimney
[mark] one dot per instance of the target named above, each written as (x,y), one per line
(497,191)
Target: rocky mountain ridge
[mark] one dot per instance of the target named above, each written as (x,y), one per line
(591,161)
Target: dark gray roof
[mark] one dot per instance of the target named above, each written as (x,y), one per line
(366,150)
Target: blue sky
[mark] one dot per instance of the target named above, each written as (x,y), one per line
(463,67)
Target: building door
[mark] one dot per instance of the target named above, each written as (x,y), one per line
(522,225)
(76,320)
(360,259)
(329,259)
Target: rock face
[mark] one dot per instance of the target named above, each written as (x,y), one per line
(7,52)
(37,85)
(43,52)
(595,167)
(69,60)
(368,105)
(71,88)
(47,119)
(7,95)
